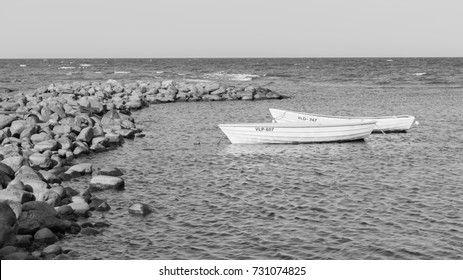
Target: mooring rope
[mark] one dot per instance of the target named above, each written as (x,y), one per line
(279,117)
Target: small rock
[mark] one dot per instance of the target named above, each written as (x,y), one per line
(90,231)
(45,236)
(19,256)
(23,240)
(39,160)
(110,171)
(64,210)
(86,135)
(7,250)
(103,182)
(52,250)
(101,225)
(83,168)
(37,138)
(140,209)
(80,208)
(47,145)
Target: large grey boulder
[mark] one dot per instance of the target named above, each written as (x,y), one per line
(7,216)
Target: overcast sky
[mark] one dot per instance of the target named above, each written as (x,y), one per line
(234,28)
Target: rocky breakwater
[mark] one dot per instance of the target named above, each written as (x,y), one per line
(44,130)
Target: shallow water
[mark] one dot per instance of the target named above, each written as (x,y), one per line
(392,196)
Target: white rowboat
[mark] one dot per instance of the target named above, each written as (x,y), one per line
(399,123)
(295,133)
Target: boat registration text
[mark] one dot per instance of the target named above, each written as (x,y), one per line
(264,128)
(304,118)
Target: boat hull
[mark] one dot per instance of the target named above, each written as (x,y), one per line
(292,133)
(385,124)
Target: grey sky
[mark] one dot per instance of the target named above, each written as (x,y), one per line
(235,28)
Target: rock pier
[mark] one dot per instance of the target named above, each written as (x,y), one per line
(42,131)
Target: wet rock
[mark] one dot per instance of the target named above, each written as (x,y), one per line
(90,231)
(127,133)
(110,171)
(104,182)
(82,168)
(45,236)
(80,208)
(140,209)
(101,225)
(211,97)
(114,138)
(103,207)
(52,250)
(86,225)
(99,205)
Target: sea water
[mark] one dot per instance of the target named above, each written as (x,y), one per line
(392,196)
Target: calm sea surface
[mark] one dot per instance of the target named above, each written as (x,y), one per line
(393,196)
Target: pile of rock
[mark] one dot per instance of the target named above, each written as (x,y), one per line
(35,211)
(43,131)
(135,95)
(40,135)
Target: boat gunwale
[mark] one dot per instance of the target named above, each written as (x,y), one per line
(345,117)
(297,125)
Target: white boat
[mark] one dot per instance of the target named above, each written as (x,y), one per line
(295,133)
(400,123)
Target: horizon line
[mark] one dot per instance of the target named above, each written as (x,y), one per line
(226,57)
